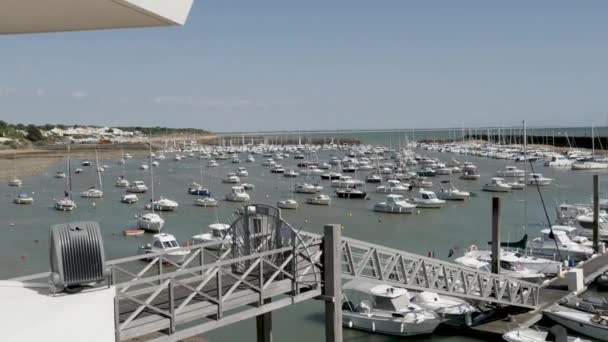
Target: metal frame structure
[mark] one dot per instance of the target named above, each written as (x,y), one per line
(217,285)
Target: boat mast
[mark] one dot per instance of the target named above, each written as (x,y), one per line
(98,170)
(69,174)
(592,143)
(151,170)
(525,176)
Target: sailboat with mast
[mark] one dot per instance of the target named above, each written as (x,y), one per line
(592,164)
(67,203)
(14,181)
(197,189)
(94,192)
(151,221)
(122,181)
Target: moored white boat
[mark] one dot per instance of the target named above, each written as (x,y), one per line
(384,309)
(320,199)
(427,199)
(164,242)
(395,204)
(584,323)
(496,184)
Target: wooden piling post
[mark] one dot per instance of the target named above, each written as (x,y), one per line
(263,325)
(332,290)
(596,213)
(495,235)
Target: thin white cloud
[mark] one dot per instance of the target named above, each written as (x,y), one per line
(40,92)
(79,95)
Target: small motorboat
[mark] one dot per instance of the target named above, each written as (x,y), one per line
(65,204)
(163,204)
(248,186)
(129,198)
(151,222)
(373,179)
(218,232)
(533,334)
(320,199)
(288,204)
(197,190)
(384,309)
(585,323)
(427,199)
(137,187)
(306,188)
(290,174)
(24,199)
(133,232)
(331,175)
(277,169)
(393,186)
(121,182)
(552,240)
(60,174)
(86,163)
(164,242)
(538,179)
(497,184)
(78,171)
(395,204)
(15,182)
(231,178)
(92,192)
(205,202)
(237,194)
(242,172)
(449,192)
(351,193)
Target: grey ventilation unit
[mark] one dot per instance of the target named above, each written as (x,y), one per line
(77,256)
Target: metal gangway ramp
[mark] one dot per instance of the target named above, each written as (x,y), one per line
(264,264)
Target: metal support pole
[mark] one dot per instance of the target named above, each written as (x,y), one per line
(263,325)
(332,289)
(495,235)
(171,307)
(596,213)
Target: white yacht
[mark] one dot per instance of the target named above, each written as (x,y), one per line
(242,172)
(290,174)
(60,174)
(533,335)
(218,232)
(231,178)
(384,309)
(15,182)
(453,311)
(538,179)
(288,204)
(393,186)
(92,192)
(594,325)
(548,245)
(65,204)
(143,167)
(533,263)
(511,172)
(121,182)
(129,198)
(24,199)
(212,163)
(395,204)
(150,222)
(589,165)
(511,270)
(449,192)
(137,187)
(496,185)
(320,199)
(205,202)
(237,194)
(470,172)
(427,199)
(250,159)
(164,242)
(306,188)
(163,204)
(277,169)
(559,161)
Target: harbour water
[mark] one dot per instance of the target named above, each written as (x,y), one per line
(24,229)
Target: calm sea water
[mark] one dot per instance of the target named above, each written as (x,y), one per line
(24,229)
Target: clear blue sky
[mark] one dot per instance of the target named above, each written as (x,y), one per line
(322,64)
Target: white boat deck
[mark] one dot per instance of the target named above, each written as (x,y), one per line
(33,314)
